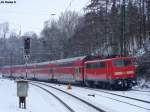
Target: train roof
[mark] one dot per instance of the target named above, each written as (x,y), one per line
(8,66)
(49,62)
(68,59)
(80,58)
(107,59)
(41,63)
(59,61)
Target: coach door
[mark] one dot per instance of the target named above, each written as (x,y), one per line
(109,71)
(77,73)
(50,73)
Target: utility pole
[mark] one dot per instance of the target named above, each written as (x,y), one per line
(106,26)
(144,19)
(123,39)
(11,54)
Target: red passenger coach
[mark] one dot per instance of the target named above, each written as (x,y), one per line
(69,70)
(41,71)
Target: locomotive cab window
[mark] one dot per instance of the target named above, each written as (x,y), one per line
(121,63)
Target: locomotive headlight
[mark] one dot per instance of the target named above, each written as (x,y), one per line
(119,82)
(130,72)
(118,73)
(133,82)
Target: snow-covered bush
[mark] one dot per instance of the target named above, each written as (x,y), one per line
(143,68)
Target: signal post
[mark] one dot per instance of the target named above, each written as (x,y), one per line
(22,85)
(26,51)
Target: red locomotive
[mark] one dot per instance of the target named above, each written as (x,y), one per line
(116,72)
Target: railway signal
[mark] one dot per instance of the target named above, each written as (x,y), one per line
(27,46)
(26,51)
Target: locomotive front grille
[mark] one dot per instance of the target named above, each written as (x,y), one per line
(126,72)
(130,72)
(118,73)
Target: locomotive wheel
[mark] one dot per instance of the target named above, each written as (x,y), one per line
(89,84)
(109,86)
(103,85)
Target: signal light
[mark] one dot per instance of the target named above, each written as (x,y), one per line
(27,45)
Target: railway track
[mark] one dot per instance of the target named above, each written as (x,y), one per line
(61,101)
(118,99)
(148,102)
(64,92)
(123,102)
(141,91)
(119,95)
(146,93)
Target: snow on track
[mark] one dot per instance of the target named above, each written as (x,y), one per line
(61,101)
(40,101)
(101,99)
(127,94)
(73,102)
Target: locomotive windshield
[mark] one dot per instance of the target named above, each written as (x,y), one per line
(121,63)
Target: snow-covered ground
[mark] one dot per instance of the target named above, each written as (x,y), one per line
(40,101)
(37,100)
(143,85)
(102,100)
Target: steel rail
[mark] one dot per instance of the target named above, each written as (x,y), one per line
(83,101)
(69,108)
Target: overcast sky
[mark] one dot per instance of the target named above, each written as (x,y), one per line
(30,14)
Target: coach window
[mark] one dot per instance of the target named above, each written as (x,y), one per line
(100,65)
(96,65)
(78,70)
(88,65)
(50,70)
(103,64)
